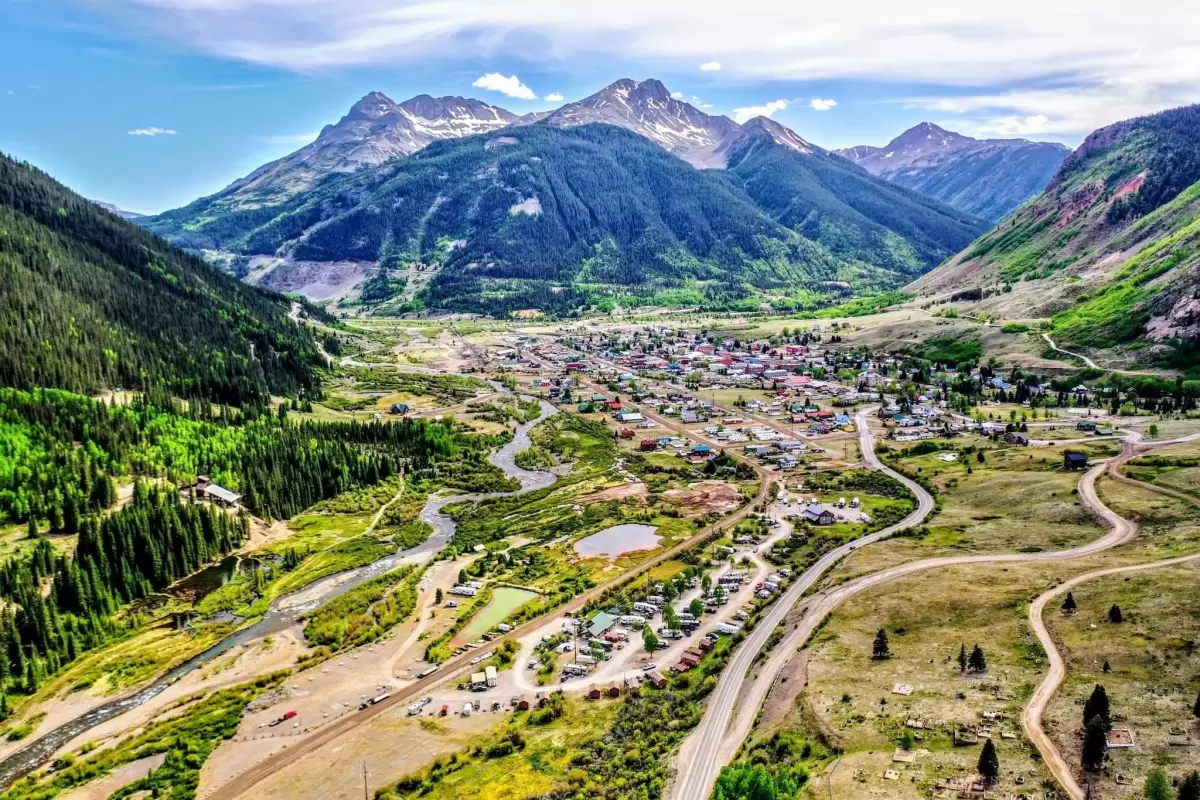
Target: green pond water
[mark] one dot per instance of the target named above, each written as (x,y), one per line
(505,600)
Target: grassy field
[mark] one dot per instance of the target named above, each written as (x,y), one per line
(543,758)
(1154,671)
(928,618)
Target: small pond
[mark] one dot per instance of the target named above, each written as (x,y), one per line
(618,540)
(505,600)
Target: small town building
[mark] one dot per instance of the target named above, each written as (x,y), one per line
(1074,460)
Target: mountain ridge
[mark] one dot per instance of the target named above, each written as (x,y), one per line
(985,177)
(1110,251)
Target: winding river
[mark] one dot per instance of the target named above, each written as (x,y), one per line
(285,610)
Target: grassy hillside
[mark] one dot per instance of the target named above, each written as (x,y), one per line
(1110,250)
(550,218)
(89,301)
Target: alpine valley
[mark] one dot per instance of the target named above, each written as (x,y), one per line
(627,197)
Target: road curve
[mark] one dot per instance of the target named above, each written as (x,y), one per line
(242,784)
(699,759)
(1087,361)
(1031,716)
(1121,531)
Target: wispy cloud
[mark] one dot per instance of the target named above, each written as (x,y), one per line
(511,85)
(553,97)
(710,66)
(822,103)
(677,95)
(152,131)
(1095,48)
(765,110)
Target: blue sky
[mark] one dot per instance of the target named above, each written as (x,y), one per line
(152,103)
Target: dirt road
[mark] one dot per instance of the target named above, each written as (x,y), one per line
(1031,717)
(700,757)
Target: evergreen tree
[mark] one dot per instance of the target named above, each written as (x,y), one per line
(1097,705)
(880,649)
(1114,614)
(1107,667)
(989,762)
(1068,605)
(977,661)
(1095,744)
(1189,787)
(1156,787)
(962,657)
(1196,707)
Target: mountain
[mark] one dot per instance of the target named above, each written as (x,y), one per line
(546,217)
(375,131)
(120,212)
(647,108)
(987,178)
(89,301)
(1110,251)
(883,228)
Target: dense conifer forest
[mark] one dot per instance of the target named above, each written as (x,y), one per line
(89,301)
(62,458)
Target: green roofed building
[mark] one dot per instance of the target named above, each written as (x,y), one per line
(601,623)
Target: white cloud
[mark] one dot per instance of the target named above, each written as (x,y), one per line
(710,66)
(152,131)
(765,110)
(1094,49)
(706,105)
(822,104)
(10,91)
(553,97)
(511,86)
(677,95)
(1057,112)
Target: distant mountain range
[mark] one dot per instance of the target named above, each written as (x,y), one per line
(524,214)
(1111,250)
(120,212)
(988,178)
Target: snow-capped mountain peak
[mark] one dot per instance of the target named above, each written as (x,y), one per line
(647,108)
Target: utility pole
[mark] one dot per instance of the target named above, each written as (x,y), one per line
(366,792)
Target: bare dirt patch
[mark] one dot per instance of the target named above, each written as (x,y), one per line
(703,498)
(622,492)
(118,778)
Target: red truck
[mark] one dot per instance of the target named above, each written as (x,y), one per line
(287,715)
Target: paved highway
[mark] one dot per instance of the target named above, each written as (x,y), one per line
(699,760)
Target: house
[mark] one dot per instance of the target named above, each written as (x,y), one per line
(817,514)
(1017,439)
(1073,460)
(1087,425)
(633,685)
(613,690)
(398,408)
(657,680)
(523,703)
(594,692)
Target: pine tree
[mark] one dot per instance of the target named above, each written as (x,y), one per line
(1107,667)
(1114,614)
(962,657)
(1189,787)
(32,527)
(1068,605)
(989,762)
(977,661)
(880,650)
(1157,787)
(1196,707)
(1095,744)
(1097,705)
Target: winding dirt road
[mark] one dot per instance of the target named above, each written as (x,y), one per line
(1031,717)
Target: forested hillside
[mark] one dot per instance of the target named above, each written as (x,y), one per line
(63,456)
(1111,250)
(548,218)
(824,197)
(89,301)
